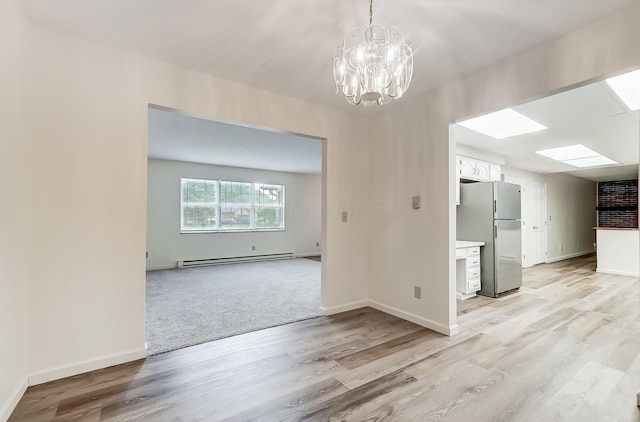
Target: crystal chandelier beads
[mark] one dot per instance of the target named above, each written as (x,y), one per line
(373,66)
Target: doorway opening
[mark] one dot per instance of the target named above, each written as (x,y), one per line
(560,197)
(233,214)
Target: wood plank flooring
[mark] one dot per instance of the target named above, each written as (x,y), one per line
(564,348)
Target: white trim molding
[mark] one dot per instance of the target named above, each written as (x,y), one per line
(306,254)
(344,308)
(424,322)
(573,255)
(88,365)
(616,272)
(12,401)
(427,323)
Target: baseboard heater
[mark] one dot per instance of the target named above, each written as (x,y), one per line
(233,259)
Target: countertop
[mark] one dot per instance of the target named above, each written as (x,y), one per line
(616,228)
(460,244)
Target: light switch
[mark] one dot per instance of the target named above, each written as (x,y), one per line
(344,216)
(415,202)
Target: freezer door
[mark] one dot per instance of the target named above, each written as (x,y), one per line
(508,255)
(506,201)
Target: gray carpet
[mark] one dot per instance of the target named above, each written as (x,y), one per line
(195,305)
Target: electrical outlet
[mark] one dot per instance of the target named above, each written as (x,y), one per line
(344,216)
(417,292)
(415,202)
(253,248)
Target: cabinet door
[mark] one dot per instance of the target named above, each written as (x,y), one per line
(468,168)
(496,172)
(483,171)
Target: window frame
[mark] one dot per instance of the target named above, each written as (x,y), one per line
(215,205)
(218,208)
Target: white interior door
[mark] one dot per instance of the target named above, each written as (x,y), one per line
(538,222)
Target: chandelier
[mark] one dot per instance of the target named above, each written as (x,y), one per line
(373,66)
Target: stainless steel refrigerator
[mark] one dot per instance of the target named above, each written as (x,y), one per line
(490,212)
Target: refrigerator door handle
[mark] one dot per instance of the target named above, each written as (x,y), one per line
(495,231)
(495,206)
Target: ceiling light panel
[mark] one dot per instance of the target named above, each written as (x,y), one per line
(627,88)
(503,124)
(600,160)
(570,152)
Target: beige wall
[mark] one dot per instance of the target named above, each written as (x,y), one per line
(15,197)
(87,107)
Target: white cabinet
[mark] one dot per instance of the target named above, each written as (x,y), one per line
(467,168)
(467,272)
(495,172)
(481,171)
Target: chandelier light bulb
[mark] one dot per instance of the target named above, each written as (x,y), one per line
(373,66)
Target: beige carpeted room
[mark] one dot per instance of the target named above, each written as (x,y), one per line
(232,214)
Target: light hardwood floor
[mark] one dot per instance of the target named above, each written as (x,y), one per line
(564,348)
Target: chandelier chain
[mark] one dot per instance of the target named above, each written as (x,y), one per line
(370,12)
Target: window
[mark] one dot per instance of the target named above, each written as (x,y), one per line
(235,206)
(213,205)
(199,205)
(269,206)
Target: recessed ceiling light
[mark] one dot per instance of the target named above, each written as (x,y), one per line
(502,124)
(570,152)
(627,87)
(600,160)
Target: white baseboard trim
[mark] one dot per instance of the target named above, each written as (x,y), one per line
(80,367)
(616,272)
(427,323)
(12,401)
(573,255)
(305,254)
(162,267)
(344,308)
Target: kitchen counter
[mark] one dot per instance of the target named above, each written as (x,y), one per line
(618,251)
(461,244)
(616,228)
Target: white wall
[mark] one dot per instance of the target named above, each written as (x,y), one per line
(15,214)
(413,154)
(165,244)
(571,216)
(87,106)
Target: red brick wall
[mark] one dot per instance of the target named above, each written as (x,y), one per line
(618,204)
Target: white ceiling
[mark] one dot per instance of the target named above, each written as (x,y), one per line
(591,115)
(197,139)
(287,45)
